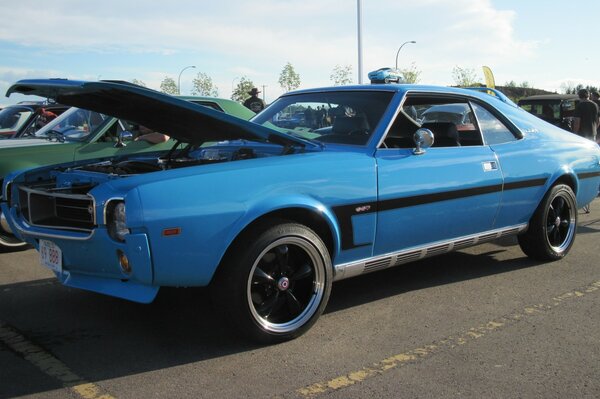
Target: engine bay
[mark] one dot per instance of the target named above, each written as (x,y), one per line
(183,157)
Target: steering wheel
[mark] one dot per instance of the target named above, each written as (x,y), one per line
(358,132)
(55,135)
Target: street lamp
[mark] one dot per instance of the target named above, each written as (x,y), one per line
(412,41)
(179,78)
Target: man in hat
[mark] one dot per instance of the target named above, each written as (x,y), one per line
(585,122)
(254,103)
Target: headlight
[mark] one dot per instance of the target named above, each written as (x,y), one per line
(115,218)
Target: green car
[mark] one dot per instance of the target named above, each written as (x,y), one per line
(78,134)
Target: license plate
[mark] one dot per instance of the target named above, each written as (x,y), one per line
(51,255)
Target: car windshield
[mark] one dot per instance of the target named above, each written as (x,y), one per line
(11,120)
(344,117)
(75,124)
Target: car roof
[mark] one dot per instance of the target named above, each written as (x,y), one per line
(550,97)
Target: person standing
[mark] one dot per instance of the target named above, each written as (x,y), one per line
(254,103)
(585,122)
(596,99)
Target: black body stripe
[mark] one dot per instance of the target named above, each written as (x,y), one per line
(587,175)
(344,213)
(404,202)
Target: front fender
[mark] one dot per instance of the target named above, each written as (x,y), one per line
(271,205)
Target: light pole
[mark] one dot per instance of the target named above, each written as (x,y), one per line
(412,42)
(179,78)
(359,39)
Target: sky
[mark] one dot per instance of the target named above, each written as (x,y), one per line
(534,41)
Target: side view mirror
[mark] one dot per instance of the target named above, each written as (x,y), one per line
(123,136)
(423,140)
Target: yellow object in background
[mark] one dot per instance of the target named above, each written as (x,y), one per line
(489,77)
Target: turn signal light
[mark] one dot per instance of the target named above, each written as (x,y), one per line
(124,262)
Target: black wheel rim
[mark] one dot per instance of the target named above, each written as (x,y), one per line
(560,223)
(286,284)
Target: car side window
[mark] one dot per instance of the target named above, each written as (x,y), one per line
(494,131)
(451,120)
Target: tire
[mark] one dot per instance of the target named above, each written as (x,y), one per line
(552,227)
(274,283)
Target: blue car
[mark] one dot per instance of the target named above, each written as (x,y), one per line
(386,75)
(268,217)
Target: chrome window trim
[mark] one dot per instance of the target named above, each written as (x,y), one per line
(392,259)
(468,98)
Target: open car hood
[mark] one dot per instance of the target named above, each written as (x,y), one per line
(180,119)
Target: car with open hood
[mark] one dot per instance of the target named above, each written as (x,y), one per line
(268,215)
(79,134)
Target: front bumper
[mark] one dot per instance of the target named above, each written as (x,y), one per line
(91,261)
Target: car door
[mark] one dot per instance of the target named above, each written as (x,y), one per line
(452,190)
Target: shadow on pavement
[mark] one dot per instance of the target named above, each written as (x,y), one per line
(101,338)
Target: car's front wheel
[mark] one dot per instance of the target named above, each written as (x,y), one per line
(552,227)
(275,283)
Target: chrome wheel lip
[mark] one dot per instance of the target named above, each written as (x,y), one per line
(318,286)
(7,239)
(566,242)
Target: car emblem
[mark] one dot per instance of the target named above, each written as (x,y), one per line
(90,209)
(363,208)
(283,284)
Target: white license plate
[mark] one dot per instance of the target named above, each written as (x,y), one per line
(51,255)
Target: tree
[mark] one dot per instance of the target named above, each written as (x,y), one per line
(169,86)
(203,85)
(240,93)
(289,79)
(464,77)
(411,74)
(138,82)
(572,88)
(341,75)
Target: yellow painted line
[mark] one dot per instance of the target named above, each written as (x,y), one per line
(451,342)
(49,364)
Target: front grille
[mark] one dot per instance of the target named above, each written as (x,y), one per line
(63,211)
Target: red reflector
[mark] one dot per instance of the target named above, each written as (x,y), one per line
(172,232)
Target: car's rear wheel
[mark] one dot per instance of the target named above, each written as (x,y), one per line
(274,284)
(553,226)
(8,241)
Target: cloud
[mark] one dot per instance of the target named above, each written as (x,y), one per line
(258,38)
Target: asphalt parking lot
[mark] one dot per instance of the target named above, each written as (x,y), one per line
(485,321)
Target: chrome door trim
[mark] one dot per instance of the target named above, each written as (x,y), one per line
(380,262)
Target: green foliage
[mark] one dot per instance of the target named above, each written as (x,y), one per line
(341,75)
(289,79)
(169,86)
(138,82)
(202,85)
(240,93)
(411,74)
(465,77)
(571,88)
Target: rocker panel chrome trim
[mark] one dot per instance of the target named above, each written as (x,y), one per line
(380,262)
